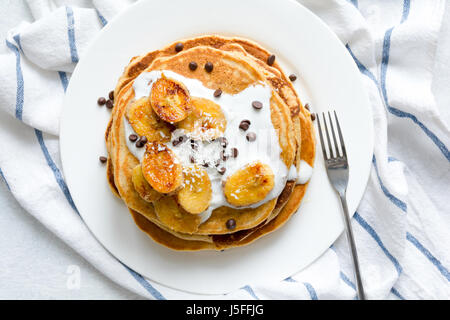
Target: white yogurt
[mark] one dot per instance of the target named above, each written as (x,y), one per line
(301,176)
(236,108)
(304,173)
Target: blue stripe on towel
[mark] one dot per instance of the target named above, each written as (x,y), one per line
(409,236)
(4,179)
(308,286)
(428,132)
(55,170)
(354,2)
(421,248)
(289,279)
(144,283)
(250,291)
(342,275)
(392,159)
(347,280)
(17,40)
(377,239)
(20,83)
(429,256)
(71,34)
(361,67)
(352,285)
(399,203)
(64,81)
(102,18)
(349,283)
(392,110)
(406,8)
(396,293)
(311,291)
(395,111)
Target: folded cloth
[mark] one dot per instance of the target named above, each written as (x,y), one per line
(402,223)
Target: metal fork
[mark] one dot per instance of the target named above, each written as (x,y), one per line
(337,171)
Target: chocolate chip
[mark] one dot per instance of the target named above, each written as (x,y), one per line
(222,170)
(217,93)
(192,159)
(292,77)
(257,105)
(205,164)
(234,152)
(217,163)
(223,156)
(179,46)
(231,224)
(175,142)
(109,104)
(101,101)
(193,65)
(244,125)
(141,142)
(307,106)
(271,59)
(251,136)
(223,141)
(103,159)
(143,139)
(133,137)
(111,95)
(313,116)
(194,145)
(209,67)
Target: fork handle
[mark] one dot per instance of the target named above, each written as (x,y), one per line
(351,244)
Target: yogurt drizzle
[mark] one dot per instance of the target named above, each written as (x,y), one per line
(236,108)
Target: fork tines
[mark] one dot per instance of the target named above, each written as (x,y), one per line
(339,150)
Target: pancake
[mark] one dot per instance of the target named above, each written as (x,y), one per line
(238,65)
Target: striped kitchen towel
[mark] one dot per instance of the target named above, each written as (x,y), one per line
(402,224)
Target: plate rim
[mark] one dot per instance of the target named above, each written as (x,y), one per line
(63,132)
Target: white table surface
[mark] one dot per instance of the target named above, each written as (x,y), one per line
(44,274)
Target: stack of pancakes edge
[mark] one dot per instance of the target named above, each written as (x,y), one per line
(249,63)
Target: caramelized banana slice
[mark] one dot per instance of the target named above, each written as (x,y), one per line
(196,193)
(146,123)
(161,168)
(206,121)
(173,216)
(170,100)
(142,187)
(249,185)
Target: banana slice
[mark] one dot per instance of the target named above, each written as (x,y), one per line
(161,168)
(206,121)
(170,100)
(142,187)
(196,193)
(175,217)
(146,123)
(249,185)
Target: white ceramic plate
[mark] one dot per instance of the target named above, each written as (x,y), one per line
(328,78)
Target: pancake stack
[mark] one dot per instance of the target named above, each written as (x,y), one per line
(179,114)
